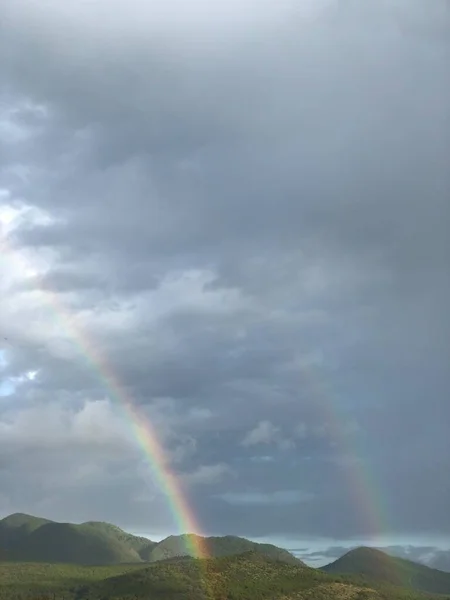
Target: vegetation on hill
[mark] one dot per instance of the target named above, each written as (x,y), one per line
(67,543)
(240,569)
(180,545)
(143,546)
(34,580)
(375,565)
(22,522)
(15,528)
(27,538)
(249,576)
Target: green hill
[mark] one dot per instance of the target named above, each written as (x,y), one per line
(14,529)
(249,576)
(141,545)
(377,566)
(43,559)
(67,543)
(27,538)
(180,545)
(31,539)
(31,580)
(22,522)
(238,577)
(18,526)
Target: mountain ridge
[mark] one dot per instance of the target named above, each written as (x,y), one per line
(26,538)
(373,564)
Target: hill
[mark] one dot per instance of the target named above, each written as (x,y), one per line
(34,580)
(141,545)
(435,558)
(249,576)
(24,538)
(239,577)
(27,538)
(67,543)
(377,566)
(179,545)
(17,527)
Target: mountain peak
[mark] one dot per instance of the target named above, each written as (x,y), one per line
(367,552)
(375,565)
(22,519)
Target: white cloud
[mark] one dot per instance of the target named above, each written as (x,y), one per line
(267,433)
(51,425)
(264,433)
(208,474)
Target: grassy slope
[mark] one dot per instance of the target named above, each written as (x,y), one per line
(378,566)
(15,528)
(67,543)
(269,573)
(30,579)
(250,576)
(32,539)
(22,522)
(243,577)
(178,545)
(27,538)
(141,545)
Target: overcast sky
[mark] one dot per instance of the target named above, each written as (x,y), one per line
(243,207)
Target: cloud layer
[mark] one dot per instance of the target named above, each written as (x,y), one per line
(241,210)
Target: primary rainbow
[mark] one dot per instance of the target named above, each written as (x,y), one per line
(145,435)
(144,431)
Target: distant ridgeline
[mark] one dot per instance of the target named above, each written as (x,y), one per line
(375,565)
(103,562)
(24,538)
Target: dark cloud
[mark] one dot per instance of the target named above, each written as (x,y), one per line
(250,231)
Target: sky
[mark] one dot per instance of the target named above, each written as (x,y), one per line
(242,208)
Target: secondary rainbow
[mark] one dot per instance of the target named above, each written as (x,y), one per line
(369,504)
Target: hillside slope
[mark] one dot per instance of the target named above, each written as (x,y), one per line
(141,545)
(14,529)
(24,538)
(249,576)
(27,538)
(382,568)
(180,545)
(67,543)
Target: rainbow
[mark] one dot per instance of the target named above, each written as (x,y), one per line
(363,487)
(144,432)
(368,503)
(146,438)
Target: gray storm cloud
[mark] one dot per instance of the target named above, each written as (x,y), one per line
(238,204)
